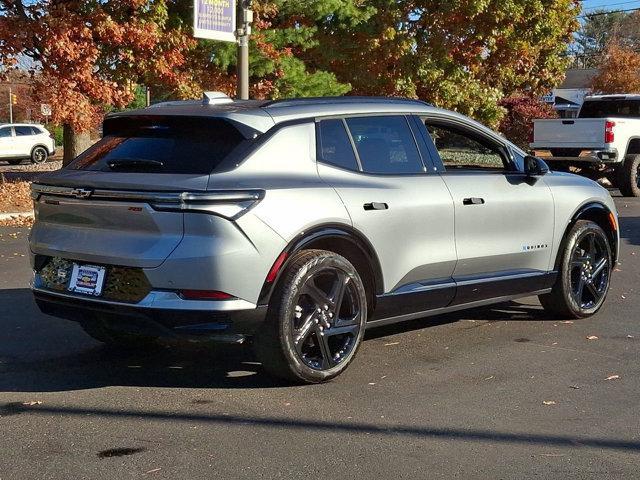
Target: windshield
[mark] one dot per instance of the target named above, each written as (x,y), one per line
(173,145)
(610,108)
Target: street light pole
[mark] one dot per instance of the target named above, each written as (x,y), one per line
(245,18)
(10,106)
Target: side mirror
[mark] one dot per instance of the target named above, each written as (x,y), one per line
(534,166)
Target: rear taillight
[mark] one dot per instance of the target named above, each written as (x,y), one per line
(609,136)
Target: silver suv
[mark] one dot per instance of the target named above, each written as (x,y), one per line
(300,223)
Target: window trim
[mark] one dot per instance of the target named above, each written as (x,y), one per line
(456,123)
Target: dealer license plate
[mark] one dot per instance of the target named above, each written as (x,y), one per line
(87,279)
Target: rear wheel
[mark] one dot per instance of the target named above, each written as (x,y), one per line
(316,319)
(39,155)
(585,273)
(629,176)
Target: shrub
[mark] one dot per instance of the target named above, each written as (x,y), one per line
(517,124)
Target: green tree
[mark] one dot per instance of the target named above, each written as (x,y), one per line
(460,54)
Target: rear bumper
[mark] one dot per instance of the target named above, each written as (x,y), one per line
(577,155)
(175,318)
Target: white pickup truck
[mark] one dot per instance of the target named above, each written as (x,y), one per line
(604,140)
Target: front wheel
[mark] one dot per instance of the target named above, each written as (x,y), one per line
(585,273)
(316,319)
(629,176)
(39,155)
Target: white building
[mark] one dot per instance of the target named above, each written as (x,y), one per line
(568,97)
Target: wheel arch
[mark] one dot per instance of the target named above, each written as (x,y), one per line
(598,213)
(343,240)
(633,146)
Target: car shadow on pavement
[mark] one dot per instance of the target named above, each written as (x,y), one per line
(39,353)
(630,230)
(323,426)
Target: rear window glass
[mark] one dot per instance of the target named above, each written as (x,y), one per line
(335,146)
(23,131)
(175,145)
(385,144)
(610,108)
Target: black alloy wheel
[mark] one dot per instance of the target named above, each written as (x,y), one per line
(590,270)
(316,318)
(584,273)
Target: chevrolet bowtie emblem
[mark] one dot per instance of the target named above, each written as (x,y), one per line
(81,192)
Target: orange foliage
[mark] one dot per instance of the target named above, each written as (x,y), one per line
(619,70)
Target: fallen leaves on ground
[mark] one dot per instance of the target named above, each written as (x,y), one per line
(15,197)
(17,221)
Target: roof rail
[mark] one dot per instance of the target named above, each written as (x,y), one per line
(287,102)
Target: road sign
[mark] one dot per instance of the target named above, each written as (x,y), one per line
(215,19)
(45,109)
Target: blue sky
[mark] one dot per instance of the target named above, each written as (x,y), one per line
(592,5)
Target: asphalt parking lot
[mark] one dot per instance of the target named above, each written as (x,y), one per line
(503,392)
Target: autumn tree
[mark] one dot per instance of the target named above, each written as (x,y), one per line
(86,56)
(619,70)
(464,54)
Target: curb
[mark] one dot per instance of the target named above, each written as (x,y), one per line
(12,216)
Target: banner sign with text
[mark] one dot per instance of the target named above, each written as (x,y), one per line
(215,19)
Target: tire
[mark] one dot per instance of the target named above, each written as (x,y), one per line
(39,155)
(313,328)
(98,331)
(14,162)
(584,274)
(629,176)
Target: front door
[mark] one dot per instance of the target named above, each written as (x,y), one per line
(378,171)
(6,142)
(504,220)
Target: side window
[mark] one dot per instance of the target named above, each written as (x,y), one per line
(5,132)
(460,150)
(334,146)
(22,131)
(385,144)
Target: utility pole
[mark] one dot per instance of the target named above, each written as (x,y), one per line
(148,96)
(245,18)
(10,106)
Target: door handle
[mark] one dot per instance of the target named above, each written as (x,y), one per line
(376,206)
(473,201)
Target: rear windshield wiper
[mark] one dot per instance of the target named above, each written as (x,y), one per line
(135,164)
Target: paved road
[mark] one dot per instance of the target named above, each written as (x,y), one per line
(460,396)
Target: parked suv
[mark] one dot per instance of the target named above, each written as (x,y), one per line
(300,223)
(22,141)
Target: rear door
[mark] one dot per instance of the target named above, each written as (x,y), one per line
(503,220)
(24,140)
(406,213)
(6,142)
